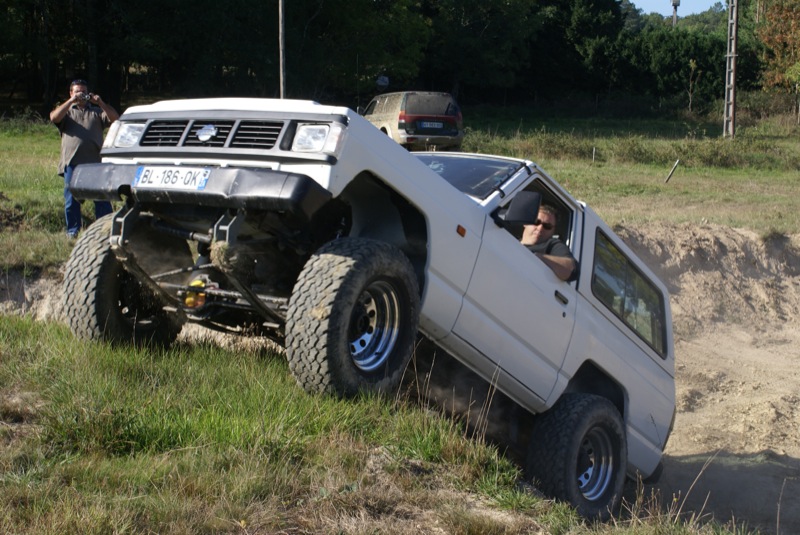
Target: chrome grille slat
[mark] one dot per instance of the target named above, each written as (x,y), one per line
(256,134)
(163,133)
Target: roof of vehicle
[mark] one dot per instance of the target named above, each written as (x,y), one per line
(415,92)
(239,104)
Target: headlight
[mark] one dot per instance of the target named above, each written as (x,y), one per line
(123,134)
(325,138)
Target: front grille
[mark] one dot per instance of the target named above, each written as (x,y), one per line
(163,134)
(256,134)
(243,134)
(223,129)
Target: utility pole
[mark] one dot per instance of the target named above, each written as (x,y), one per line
(675,4)
(282,52)
(729,123)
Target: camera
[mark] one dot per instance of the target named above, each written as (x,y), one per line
(86,96)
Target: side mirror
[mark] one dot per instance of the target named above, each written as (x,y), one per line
(360,110)
(522,210)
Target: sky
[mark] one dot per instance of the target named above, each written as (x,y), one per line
(687,7)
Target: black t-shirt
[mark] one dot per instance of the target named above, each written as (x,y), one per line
(552,246)
(556,247)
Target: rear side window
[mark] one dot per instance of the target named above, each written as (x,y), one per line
(430,104)
(378,105)
(629,294)
(392,104)
(371,107)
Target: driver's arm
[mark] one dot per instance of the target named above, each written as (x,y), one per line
(562,266)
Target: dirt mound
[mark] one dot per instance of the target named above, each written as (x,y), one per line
(735,449)
(717,274)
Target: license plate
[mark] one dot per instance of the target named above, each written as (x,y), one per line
(430,124)
(167,177)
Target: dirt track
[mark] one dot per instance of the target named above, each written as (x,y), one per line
(735,452)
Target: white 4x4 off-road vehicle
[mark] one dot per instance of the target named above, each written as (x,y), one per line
(304,223)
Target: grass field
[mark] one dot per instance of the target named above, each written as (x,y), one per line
(200,439)
(208,439)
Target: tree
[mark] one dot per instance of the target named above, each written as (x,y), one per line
(694,76)
(793,76)
(342,47)
(30,43)
(594,29)
(577,48)
(671,56)
(712,20)
(480,44)
(780,33)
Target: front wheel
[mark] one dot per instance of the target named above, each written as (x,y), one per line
(352,318)
(102,301)
(578,454)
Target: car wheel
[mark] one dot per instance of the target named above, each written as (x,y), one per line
(102,301)
(352,318)
(578,454)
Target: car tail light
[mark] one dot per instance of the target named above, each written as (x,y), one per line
(402,122)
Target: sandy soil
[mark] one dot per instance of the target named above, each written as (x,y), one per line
(735,452)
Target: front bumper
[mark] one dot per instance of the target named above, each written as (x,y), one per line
(229,187)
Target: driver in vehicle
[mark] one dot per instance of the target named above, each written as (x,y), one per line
(539,239)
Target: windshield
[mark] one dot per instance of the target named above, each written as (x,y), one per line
(474,175)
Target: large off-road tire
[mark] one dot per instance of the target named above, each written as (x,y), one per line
(578,454)
(352,318)
(102,301)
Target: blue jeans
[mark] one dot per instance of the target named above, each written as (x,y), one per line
(72,206)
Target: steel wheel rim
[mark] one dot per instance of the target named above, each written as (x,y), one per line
(374,326)
(595,467)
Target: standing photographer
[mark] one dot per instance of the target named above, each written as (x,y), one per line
(81,121)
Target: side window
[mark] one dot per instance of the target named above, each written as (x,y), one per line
(628,294)
(393,103)
(564,228)
(380,104)
(371,108)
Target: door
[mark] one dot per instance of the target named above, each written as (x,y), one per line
(517,312)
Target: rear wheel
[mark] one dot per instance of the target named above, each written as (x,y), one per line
(578,454)
(102,301)
(352,318)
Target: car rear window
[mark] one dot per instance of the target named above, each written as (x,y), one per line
(430,104)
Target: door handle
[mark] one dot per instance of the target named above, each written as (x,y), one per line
(561,297)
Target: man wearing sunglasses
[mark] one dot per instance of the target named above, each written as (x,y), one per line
(81,120)
(539,238)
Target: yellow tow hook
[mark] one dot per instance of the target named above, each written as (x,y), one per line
(195,298)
